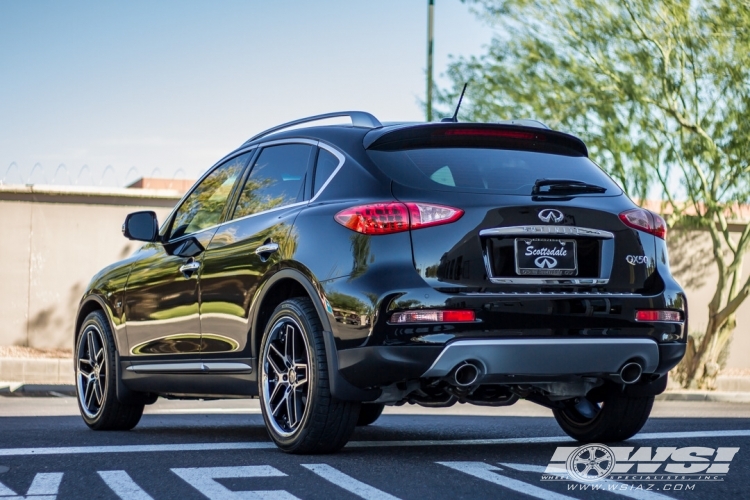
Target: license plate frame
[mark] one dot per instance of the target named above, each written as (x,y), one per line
(547,259)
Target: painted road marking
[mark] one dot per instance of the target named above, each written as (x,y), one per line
(123,485)
(488,472)
(254,445)
(638,495)
(203,479)
(44,487)
(348,483)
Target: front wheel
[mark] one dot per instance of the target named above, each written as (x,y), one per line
(300,414)
(616,417)
(96,378)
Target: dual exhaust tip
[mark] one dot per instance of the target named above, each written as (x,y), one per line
(630,372)
(467,373)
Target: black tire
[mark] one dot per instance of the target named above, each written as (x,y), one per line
(96,384)
(618,416)
(369,413)
(325,424)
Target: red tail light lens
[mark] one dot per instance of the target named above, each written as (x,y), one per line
(387,218)
(645,220)
(656,315)
(426,316)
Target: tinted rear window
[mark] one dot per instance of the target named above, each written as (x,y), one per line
(486,170)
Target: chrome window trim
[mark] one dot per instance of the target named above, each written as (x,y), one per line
(310,142)
(208,171)
(341,159)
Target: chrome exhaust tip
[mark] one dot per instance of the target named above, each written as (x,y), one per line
(466,374)
(630,372)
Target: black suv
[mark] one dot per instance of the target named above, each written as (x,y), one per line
(332,270)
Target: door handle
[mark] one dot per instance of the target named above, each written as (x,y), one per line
(190,267)
(267,248)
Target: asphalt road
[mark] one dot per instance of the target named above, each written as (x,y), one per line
(197,450)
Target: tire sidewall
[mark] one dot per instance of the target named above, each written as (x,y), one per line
(290,309)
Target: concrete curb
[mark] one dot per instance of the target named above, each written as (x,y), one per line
(713,396)
(19,389)
(37,370)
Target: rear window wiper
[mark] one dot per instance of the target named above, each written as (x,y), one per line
(564,186)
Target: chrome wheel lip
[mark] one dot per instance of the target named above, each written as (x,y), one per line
(91,371)
(292,378)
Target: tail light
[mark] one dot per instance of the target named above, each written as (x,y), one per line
(439,316)
(645,220)
(658,315)
(394,217)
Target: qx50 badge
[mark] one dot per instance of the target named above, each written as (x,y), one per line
(551,215)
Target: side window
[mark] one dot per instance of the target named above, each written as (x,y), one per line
(277,179)
(325,166)
(203,207)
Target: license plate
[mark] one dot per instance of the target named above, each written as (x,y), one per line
(546,257)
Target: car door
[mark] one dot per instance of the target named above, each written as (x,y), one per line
(162,293)
(250,245)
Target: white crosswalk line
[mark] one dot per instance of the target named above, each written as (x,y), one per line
(485,471)
(44,486)
(203,480)
(123,485)
(348,483)
(638,495)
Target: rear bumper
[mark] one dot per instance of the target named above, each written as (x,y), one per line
(506,360)
(543,357)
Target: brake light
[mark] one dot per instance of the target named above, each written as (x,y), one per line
(658,315)
(439,316)
(395,217)
(645,220)
(508,134)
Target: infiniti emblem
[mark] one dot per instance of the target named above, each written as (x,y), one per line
(545,261)
(551,215)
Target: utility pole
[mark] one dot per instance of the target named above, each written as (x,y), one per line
(430,34)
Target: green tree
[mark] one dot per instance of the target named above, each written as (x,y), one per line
(659,90)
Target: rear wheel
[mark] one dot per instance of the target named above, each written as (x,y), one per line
(369,413)
(616,417)
(96,382)
(300,414)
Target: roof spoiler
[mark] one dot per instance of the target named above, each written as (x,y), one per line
(482,135)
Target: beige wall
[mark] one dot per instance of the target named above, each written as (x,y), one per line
(53,240)
(691,258)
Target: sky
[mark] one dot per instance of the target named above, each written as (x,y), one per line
(103,92)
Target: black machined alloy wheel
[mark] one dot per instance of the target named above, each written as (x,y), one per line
(300,414)
(286,363)
(91,370)
(96,378)
(617,417)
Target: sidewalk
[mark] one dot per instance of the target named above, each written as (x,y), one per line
(55,376)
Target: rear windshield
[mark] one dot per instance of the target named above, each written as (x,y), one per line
(487,170)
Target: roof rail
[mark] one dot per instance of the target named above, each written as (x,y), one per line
(359,119)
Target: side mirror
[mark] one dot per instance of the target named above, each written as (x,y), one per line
(141,226)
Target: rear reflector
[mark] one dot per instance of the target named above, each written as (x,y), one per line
(645,220)
(656,315)
(455,316)
(394,217)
